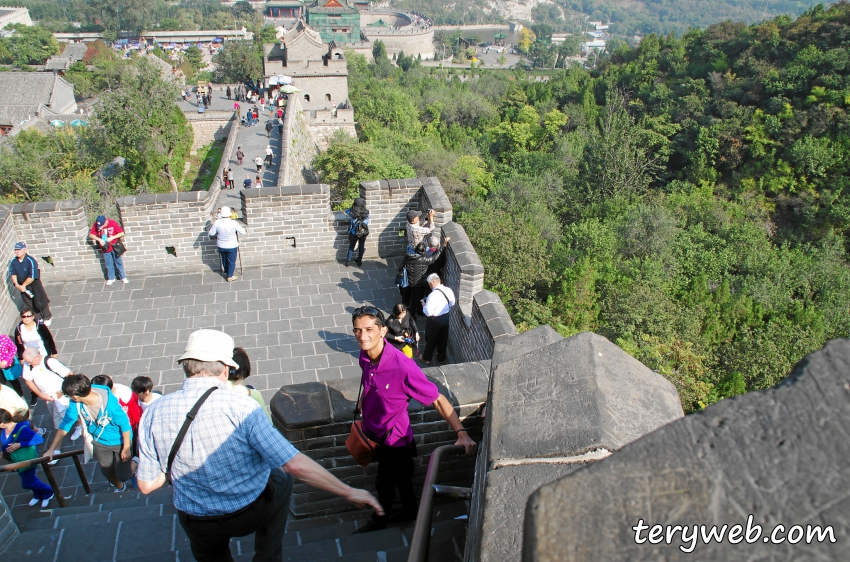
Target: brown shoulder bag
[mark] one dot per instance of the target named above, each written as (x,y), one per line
(361,447)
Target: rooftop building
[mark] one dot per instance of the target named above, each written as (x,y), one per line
(25,95)
(335,21)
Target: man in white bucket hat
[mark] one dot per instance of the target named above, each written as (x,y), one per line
(231,469)
(227,231)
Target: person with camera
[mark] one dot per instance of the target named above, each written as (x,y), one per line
(109,235)
(358,230)
(402,330)
(418,229)
(25,276)
(226,232)
(417,265)
(96,407)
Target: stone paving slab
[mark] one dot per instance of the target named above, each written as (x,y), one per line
(294,322)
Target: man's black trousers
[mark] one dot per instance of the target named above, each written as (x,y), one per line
(210,536)
(436,337)
(395,470)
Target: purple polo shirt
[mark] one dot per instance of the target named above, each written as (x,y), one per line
(387,389)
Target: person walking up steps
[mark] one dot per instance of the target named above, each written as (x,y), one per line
(232,474)
(240,156)
(269,156)
(259,162)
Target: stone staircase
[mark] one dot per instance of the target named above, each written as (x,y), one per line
(131,527)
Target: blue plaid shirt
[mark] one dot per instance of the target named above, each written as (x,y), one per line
(226,456)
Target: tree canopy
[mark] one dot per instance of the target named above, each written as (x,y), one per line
(687,198)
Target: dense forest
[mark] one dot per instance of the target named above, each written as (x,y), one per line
(630,17)
(689,198)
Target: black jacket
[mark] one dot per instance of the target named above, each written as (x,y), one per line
(399,327)
(46,337)
(417,266)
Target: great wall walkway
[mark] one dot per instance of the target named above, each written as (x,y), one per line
(253,141)
(295,322)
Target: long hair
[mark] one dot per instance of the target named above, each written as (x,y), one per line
(358,209)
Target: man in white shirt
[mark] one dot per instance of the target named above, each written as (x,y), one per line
(44,376)
(436,307)
(226,231)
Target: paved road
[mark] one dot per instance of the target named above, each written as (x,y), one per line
(295,322)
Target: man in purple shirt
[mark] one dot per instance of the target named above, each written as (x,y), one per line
(390,380)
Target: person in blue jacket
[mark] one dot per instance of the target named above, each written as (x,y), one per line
(106,422)
(358,230)
(17,434)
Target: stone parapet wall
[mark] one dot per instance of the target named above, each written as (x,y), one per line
(316,418)
(59,230)
(297,145)
(209,127)
(154,223)
(289,224)
(8,306)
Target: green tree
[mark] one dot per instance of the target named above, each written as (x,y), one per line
(236,61)
(347,162)
(194,57)
(29,45)
(268,34)
(141,122)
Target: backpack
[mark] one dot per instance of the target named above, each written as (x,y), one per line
(362,229)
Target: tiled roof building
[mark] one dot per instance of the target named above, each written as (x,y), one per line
(25,95)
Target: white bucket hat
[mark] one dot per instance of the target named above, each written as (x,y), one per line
(224,212)
(210,345)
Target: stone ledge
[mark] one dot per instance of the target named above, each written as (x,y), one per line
(47,206)
(312,404)
(161,198)
(780,454)
(284,190)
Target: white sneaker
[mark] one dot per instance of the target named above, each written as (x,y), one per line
(48,322)
(110,282)
(54,461)
(125,280)
(44,503)
(33,502)
(76,434)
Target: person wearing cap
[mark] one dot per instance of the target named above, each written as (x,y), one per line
(226,232)
(390,381)
(232,474)
(104,232)
(418,229)
(25,276)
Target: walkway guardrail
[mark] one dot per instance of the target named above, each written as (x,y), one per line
(421,541)
(43,461)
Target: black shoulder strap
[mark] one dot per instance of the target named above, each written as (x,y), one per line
(445,296)
(190,417)
(359,394)
(47,366)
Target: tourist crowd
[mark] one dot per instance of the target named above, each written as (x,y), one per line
(231,470)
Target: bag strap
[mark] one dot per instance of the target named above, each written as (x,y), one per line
(190,417)
(46,366)
(445,296)
(357,404)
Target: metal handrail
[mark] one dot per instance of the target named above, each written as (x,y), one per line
(44,462)
(421,540)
